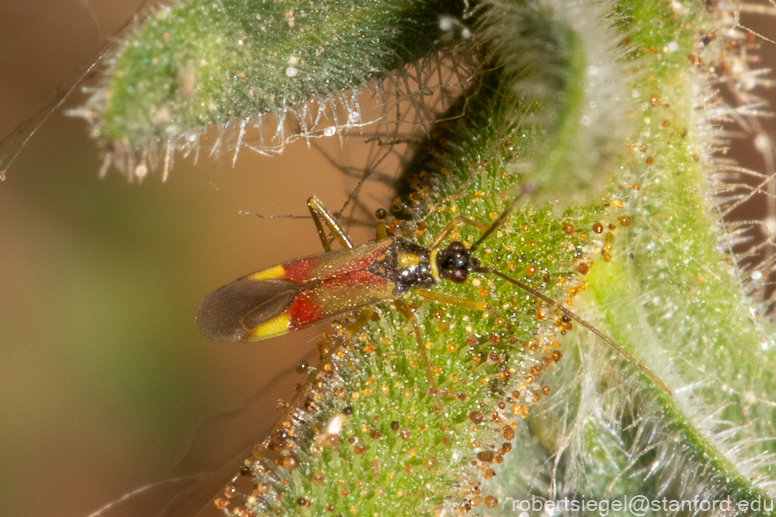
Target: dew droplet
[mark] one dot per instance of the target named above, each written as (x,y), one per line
(290,462)
(762,143)
(317,477)
(446,23)
(486,456)
(491,501)
(141,171)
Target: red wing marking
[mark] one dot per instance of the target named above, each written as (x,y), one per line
(337,295)
(299,270)
(303,312)
(333,264)
(355,279)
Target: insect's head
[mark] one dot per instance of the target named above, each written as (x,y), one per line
(455,262)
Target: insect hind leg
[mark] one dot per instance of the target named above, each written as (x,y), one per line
(361,321)
(322,216)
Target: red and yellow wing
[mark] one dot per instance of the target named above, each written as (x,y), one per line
(294,295)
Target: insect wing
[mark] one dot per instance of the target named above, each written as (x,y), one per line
(247,309)
(338,295)
(294,294)
(333,264)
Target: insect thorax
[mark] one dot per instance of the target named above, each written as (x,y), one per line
(405,264)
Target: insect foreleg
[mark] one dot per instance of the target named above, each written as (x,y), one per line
(453,225)
(456,222)
(322,216)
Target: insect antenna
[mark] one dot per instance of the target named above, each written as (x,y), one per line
(525,190)
(567,312)
(496,224)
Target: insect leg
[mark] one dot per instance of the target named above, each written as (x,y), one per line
(486,229)
(453,225)
(363,319)
(447,299)
(382,231)
(407,312)
(322,216)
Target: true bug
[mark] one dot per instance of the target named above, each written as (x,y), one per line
(302,292)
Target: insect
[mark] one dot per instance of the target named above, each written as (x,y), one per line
(299,293)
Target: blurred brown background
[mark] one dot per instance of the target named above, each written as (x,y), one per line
(104,381)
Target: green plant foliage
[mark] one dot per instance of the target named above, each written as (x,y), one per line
(203,62)
(592,114)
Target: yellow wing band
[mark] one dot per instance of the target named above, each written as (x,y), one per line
(274,327)
(273,272)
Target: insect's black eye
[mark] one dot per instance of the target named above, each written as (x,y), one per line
(456,246)
(459,275)
(454,262)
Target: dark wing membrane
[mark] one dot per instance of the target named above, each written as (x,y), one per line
(232,311)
